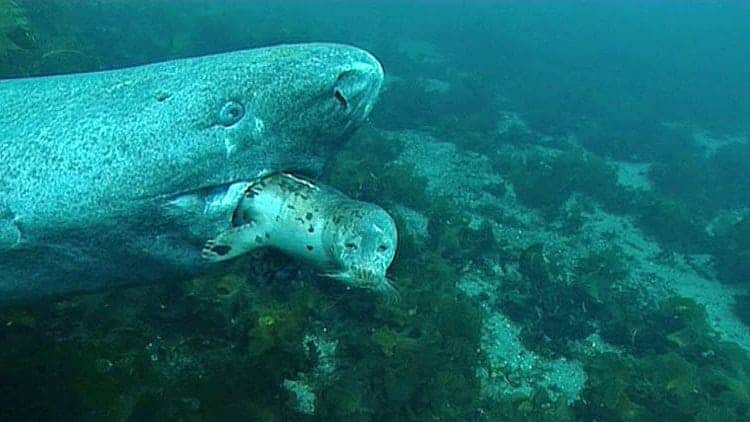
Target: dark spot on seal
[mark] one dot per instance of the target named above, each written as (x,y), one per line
(309,216)
(258,239)
(250,192)
(162,96)
(291,207)
(221,249)
(311,229)
(268,236)
(309,247)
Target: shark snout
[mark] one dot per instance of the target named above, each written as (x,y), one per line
(357,86)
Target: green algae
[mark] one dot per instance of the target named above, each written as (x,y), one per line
(551,311)
(600,272)
(661,386)
(546,181)
(17,39)
(732,252)
(672,222)
(673,372)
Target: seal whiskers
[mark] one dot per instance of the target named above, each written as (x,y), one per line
(367,279)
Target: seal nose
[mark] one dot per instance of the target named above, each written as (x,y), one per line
(357,86)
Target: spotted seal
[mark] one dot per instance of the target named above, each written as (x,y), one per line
(118,177)
(349,240)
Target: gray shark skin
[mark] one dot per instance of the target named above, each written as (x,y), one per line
(118,177)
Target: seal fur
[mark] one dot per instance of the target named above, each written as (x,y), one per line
(349,240)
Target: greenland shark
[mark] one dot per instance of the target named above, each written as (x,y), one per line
(118,177)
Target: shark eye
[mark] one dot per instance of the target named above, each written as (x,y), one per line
(231,112)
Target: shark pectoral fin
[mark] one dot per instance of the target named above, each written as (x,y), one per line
(233,243)
(183,208)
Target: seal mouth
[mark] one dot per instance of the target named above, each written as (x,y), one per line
(370,280)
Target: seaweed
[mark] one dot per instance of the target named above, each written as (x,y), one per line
(709,181)
(742,308)
(673,222)
(367,169)
(546,181)
(688,370)
(728,175)
(17,38)
(732,253)
(552,312)
(666,385)
(601,272)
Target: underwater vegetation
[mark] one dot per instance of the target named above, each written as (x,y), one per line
(665,386)
(671,363)
(551,312)
(546,180)
(673,222)
(17,40)
(30,45)
(438,106)
(733,254)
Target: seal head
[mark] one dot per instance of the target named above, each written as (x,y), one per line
(363,245)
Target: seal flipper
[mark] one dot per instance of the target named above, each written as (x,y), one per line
(233,243)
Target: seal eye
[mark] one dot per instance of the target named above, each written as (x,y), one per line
(382,248)
(231,113)
(351,246)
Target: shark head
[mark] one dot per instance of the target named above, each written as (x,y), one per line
(236,117)
(271,109)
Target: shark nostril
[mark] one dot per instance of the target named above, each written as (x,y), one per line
(341,98)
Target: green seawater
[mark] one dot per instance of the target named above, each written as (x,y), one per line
(571,185)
